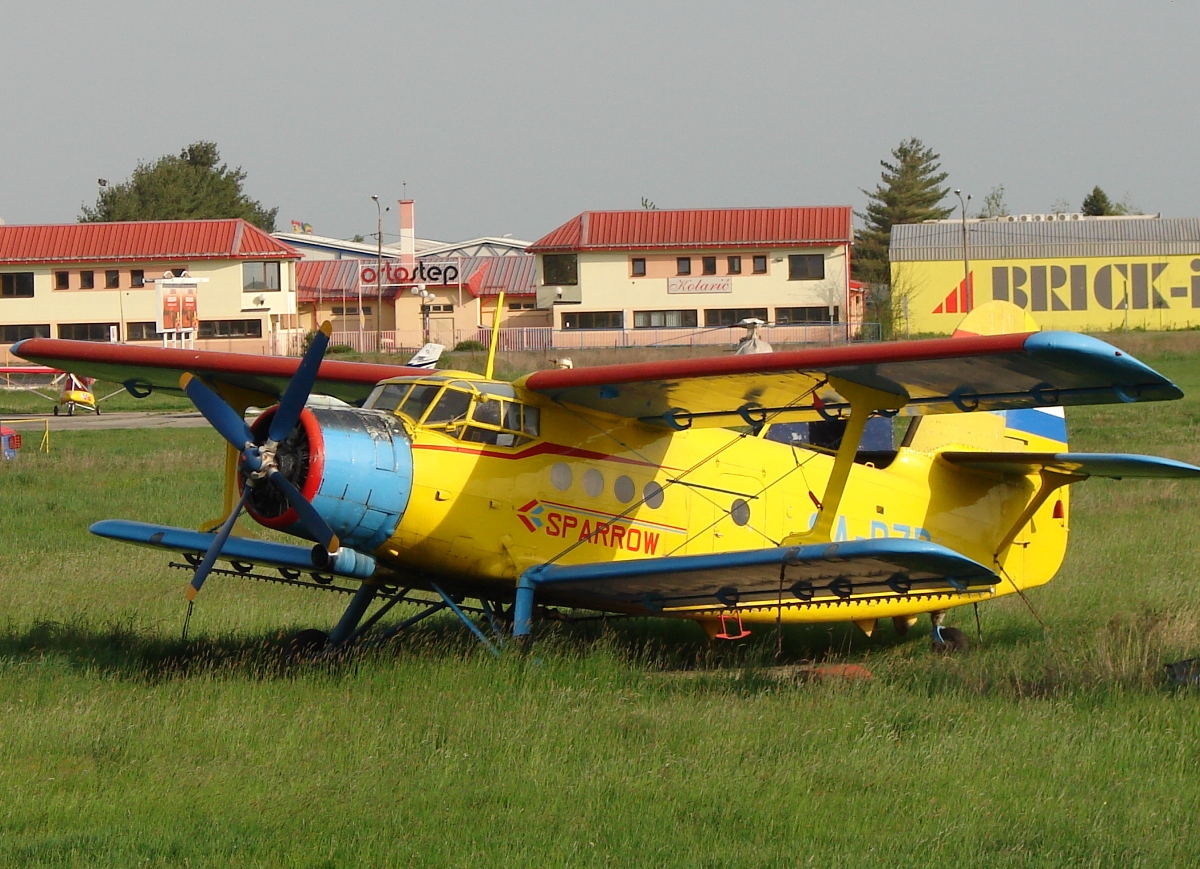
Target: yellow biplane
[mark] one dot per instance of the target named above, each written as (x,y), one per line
(732,490)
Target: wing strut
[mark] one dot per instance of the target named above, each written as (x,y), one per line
(863,402)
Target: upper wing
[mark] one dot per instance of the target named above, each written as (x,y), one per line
(937,376)
(816,574)
(145,369)
(1112,465)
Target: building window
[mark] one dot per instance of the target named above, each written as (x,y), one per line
(260,277)
(62,280)
(137,277)
(13,334)
(176,271)
(806,267)
(522,306)
(709,265)
(87,280)
(734,265)
(16,285)
(112,279)
(637,267)
(348,311)
(760,264)
(788,316)
(733,316)
(142,332)
(440,308)
(560,269)
(594,320)
(86,331)
(683,265)
(231,328)
(664,319)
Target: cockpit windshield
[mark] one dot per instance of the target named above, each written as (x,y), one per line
(484,413)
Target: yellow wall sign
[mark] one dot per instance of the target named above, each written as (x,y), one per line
(1080,294)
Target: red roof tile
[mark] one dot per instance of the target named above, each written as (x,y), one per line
(700,228)
(139,241)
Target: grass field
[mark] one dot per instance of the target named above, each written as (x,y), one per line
(629,745)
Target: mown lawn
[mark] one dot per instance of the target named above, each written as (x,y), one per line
(631,745)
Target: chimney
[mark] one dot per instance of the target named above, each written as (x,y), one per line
(408,237)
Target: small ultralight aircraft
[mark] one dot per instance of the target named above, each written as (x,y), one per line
(76,392)
(655,488)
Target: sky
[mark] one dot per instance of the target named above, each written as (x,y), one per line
(511,118)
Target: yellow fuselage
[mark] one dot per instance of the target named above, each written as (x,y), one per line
(592,488)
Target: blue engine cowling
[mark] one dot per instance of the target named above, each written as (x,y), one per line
(354,466)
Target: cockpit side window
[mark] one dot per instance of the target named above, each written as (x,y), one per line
(388,396)
(451,407)
(416,402)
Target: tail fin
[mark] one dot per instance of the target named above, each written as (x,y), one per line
(1033,429)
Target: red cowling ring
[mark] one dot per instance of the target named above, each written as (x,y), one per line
(316,466)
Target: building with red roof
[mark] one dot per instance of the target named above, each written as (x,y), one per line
(642,272)
(100,281)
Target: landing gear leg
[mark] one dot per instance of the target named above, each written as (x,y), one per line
(352,616)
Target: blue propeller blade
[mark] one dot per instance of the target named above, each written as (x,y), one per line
(220,415)
(309,517)
(214,549)
(300,386)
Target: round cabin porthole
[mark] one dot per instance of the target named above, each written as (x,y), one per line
(593,483)
(623,488)
(740,512)
(560,476)
(653,495)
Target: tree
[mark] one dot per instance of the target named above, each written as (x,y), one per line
(994,204)
(193,185)
(909,194)
(1098,204)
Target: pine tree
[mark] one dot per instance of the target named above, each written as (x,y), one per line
(189,186)
(1098,204)
(909,193)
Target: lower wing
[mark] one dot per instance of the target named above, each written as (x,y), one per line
(788,575)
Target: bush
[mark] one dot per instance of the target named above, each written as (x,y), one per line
(468,347)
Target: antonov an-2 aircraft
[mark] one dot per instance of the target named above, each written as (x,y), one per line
(651,488)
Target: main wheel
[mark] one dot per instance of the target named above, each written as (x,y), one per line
(950,641)
(56,410)
(305,644)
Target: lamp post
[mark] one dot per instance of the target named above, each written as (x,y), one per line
(967,291)
(378,275)
(426,298)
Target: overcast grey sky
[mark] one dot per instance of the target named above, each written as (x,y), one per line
(513,117)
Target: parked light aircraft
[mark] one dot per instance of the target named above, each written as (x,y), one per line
(652,488)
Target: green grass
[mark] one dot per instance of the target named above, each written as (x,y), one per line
(634,744)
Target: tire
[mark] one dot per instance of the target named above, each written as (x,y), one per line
(305,644)
(953,642)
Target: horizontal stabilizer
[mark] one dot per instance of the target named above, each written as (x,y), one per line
(189,543)
(1113,466)
(813,575)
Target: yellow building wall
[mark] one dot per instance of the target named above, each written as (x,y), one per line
(220,298)
(1082,294)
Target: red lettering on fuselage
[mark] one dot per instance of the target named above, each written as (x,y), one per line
(611,535)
